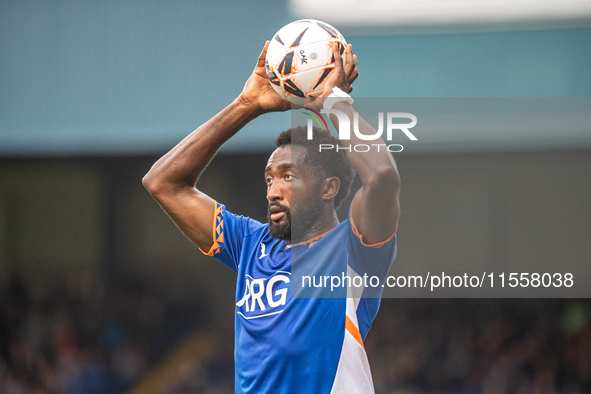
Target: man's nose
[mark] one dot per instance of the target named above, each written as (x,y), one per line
(274,192)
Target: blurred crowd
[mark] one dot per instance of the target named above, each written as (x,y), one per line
(485,346)
(80,338)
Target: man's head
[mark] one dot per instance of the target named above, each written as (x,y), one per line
(304,183)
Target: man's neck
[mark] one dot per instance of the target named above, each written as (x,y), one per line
(328,222)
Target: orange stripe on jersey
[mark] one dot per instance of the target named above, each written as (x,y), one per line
(316,238)
(376,245)
(218,231)
(349,326)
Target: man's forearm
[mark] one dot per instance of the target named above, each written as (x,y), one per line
(369,165)
(183,164)
(375,207)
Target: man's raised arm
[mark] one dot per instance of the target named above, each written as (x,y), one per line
(375,208)
(171,180)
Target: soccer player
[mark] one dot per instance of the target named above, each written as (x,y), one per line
(286,344)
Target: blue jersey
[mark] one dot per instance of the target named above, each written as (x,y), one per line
(298,345)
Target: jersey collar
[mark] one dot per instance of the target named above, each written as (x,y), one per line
(311,240)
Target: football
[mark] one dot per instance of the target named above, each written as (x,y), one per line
(300,59)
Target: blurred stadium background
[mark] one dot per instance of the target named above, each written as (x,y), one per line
(99,292)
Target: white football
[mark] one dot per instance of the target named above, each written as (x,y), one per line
(299,59)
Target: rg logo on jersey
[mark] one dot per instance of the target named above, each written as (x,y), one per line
(264,296)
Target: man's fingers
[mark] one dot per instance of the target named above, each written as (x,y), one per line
(351,60)
(263,55)
(355,73)
(338,60)
(353,76)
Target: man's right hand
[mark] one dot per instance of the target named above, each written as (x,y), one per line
(258,91)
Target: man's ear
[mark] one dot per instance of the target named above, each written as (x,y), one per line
(330,188)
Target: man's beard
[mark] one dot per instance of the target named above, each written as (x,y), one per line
(306,215)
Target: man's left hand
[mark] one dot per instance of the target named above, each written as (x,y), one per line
(341,76)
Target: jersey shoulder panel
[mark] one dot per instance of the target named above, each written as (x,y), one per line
(229,234)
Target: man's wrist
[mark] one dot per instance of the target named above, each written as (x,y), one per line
(248,106)
(342,105)
(336,96)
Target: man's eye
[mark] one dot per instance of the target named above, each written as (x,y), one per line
(288,177)
(269,180)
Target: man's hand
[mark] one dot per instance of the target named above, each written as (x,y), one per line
(341,77)
(258,91)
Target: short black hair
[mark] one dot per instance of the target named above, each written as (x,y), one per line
(327,163)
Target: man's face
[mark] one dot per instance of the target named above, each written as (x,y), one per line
(292,191)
